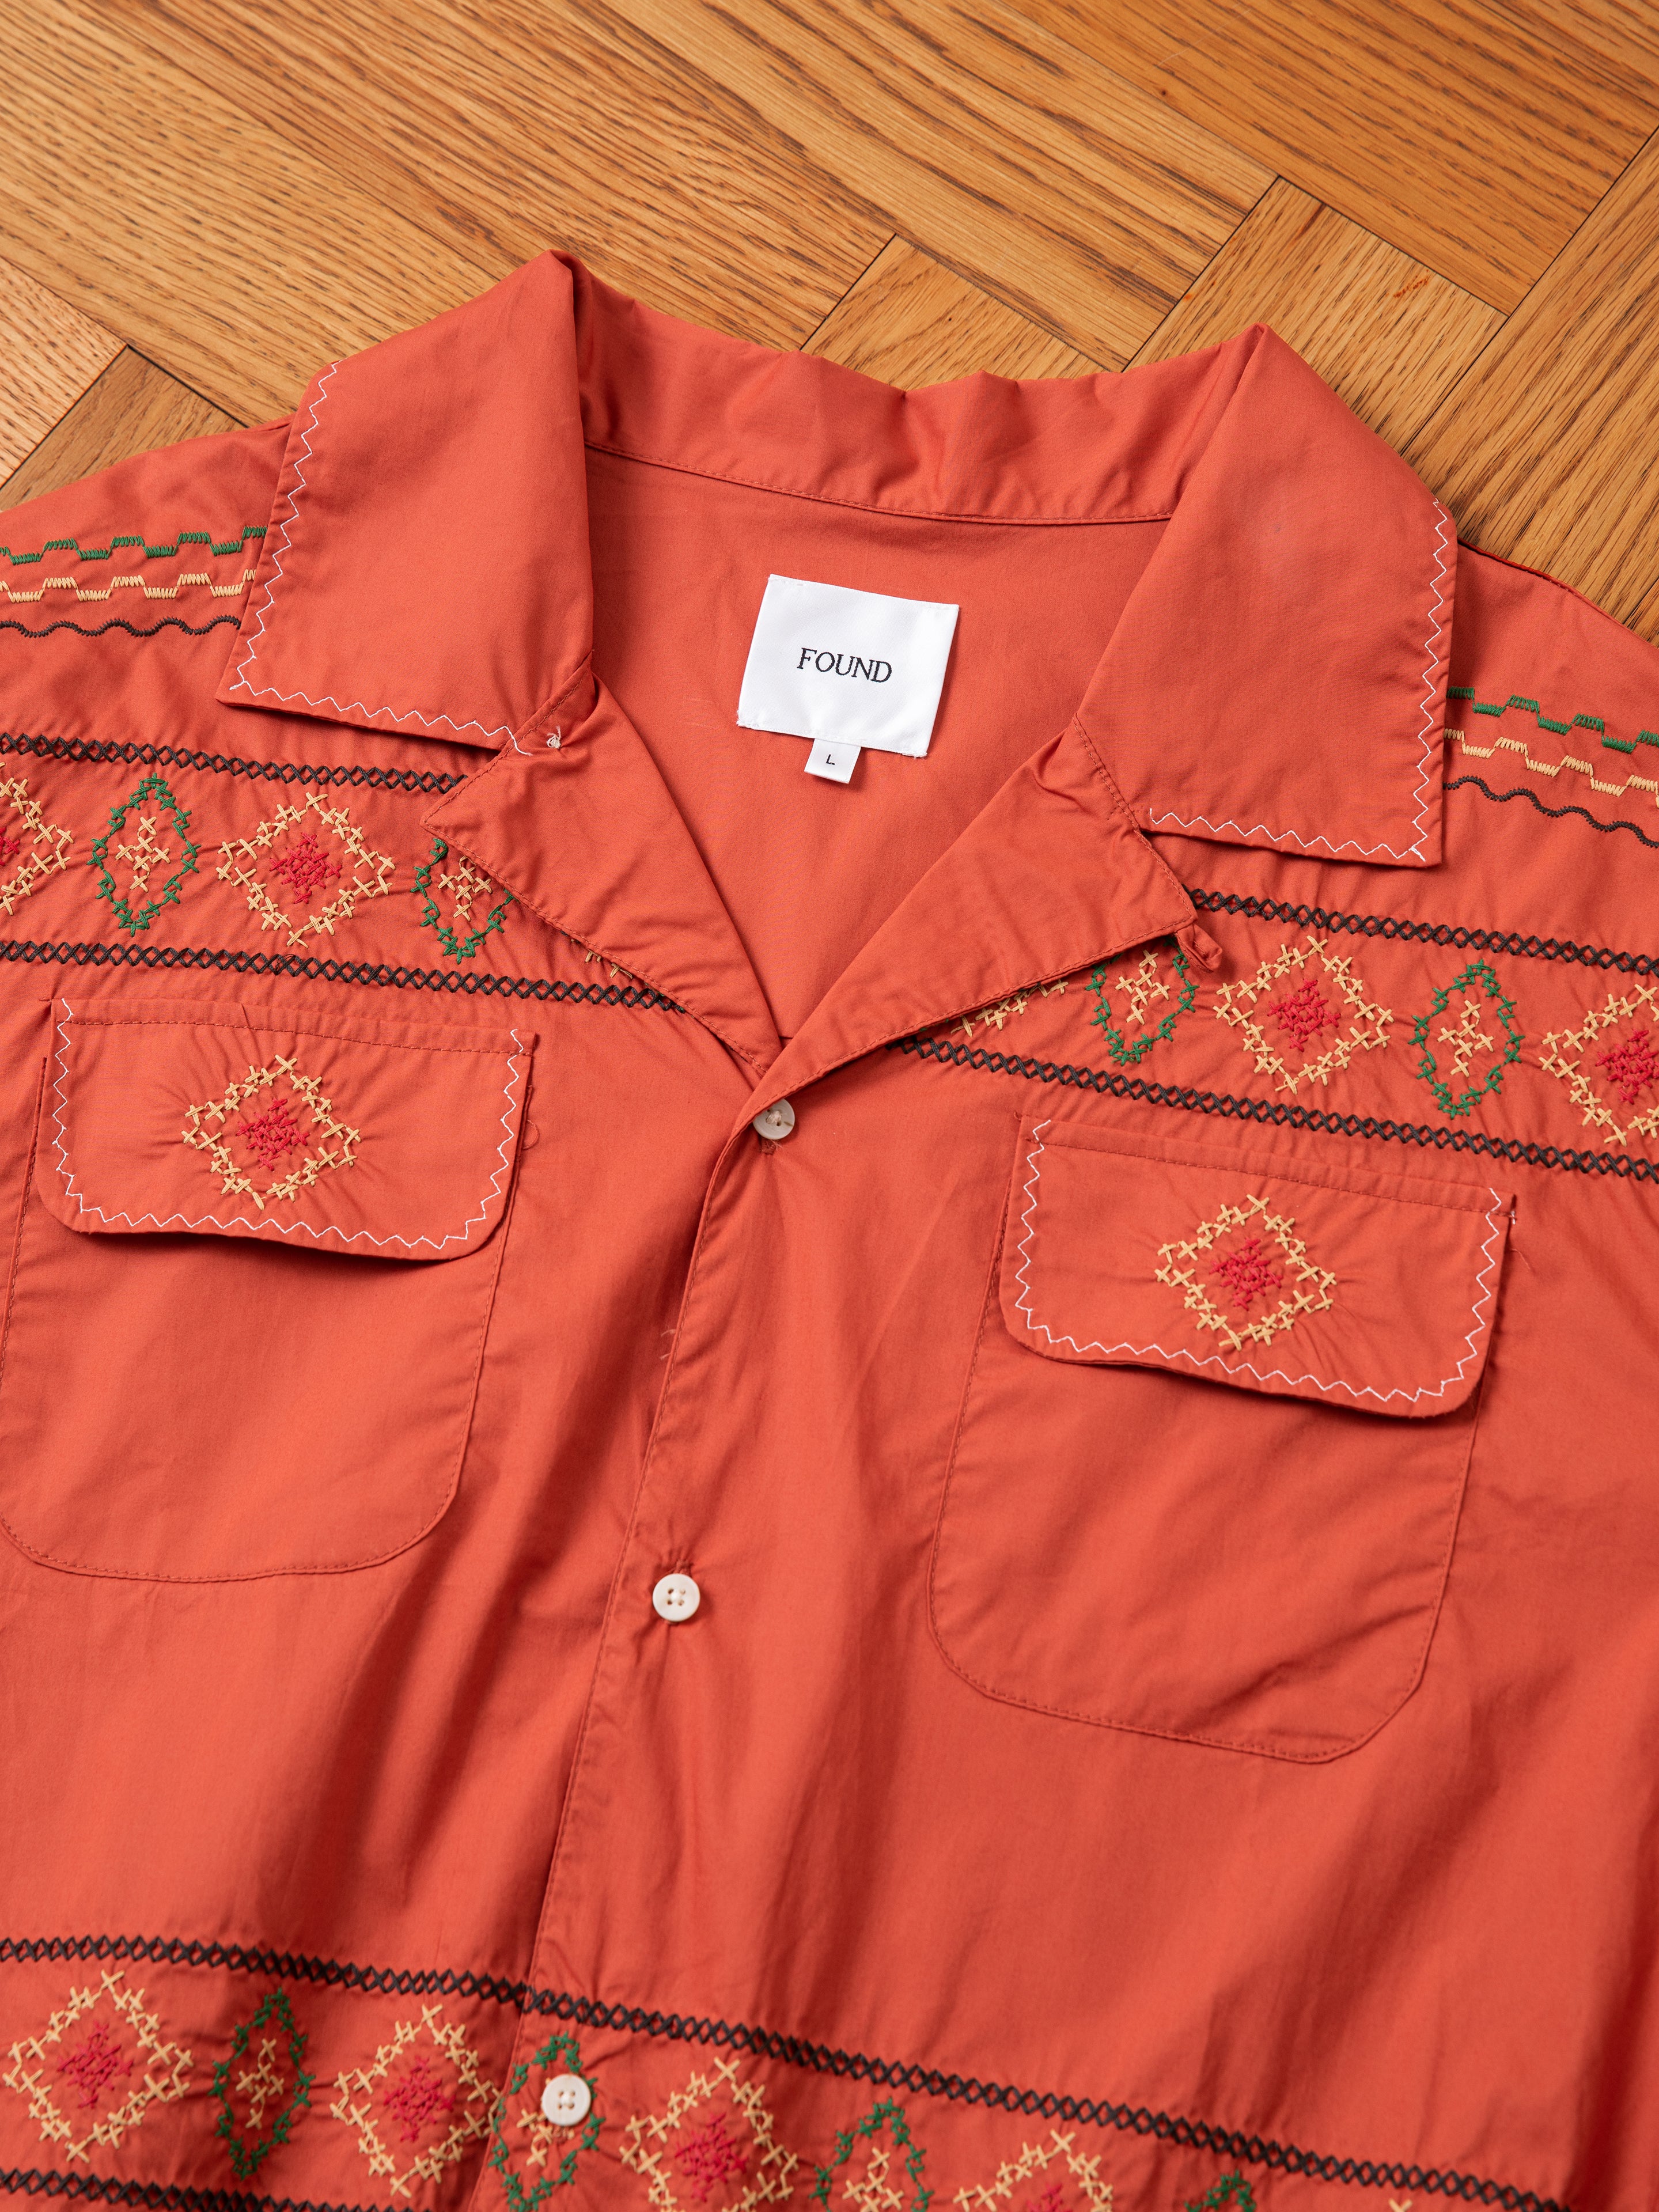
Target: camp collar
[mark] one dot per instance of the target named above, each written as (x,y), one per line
(1276,679)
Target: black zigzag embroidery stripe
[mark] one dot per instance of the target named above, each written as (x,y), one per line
(280,1966)
(1556,813)
(1394,927)
(1280,1114)
(154,2195)
(382,974)
(137,756)
(674,2027)
(1093,2111)
(119,622)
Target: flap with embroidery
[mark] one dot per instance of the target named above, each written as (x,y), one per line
(377,1139)
(1375,1292)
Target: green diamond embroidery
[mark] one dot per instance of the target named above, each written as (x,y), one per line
(1483,1033)
(887,2115)
(1140,988)
(466,888)
(143,854)
(560,2054)
(1232,2188)
(269,2083)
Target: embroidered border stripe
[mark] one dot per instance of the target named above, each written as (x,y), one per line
(734,2035)
(1427,933)
(119,622)
(381,973)
(282,1965)
(155,2196)
(124,543)
(1543,722)
(1555,813)
(928,2081)
(137,756)
(1281,1114)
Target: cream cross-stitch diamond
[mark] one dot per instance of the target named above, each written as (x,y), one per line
(1053,2174)
(1610,1064)
(711,2148)
(94,2072)
(1247,1256)
(31,847)
(1303,1014)
(272,1134)
(418,2102)
(306,869)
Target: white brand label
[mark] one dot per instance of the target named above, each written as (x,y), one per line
(846,669)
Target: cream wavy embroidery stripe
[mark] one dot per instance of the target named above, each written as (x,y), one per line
(133,582)
(1497,1219)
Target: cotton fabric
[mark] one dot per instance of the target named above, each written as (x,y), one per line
(1164,1443)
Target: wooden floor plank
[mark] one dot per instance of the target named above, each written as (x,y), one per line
(910,321)
(1545,451)
(1011,156)
(131,407)
(49,354)
(1388,335)
(527,125)
(239,261)
(1474,135)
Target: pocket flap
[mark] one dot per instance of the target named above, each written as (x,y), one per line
(1371,1292)
(383,1140)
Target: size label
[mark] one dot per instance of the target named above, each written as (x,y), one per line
(832,760)
(845,667)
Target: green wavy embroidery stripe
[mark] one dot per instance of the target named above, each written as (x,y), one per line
(1545,722)
(458,948)
(122,544)
(155,788)
(247,2156)
(889,2114)
(1478,975)
(564,2051)
(1119,1050)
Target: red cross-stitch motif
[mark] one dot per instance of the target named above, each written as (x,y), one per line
(273,1133)
(710,2157)
(1632,1067)
(1248,1272)
(417,2098)
(1051,2200)
(305,868)
(1304,1013)
(10,846)
(92,2065)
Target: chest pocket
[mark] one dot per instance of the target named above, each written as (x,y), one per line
(1209,1463)
(253,1277)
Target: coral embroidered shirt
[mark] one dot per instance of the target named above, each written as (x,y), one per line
(724,1490)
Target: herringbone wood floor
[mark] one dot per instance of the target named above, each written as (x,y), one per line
(1451,207)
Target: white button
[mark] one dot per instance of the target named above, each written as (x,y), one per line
(676,1597)
(776,1122)
(566,2099)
